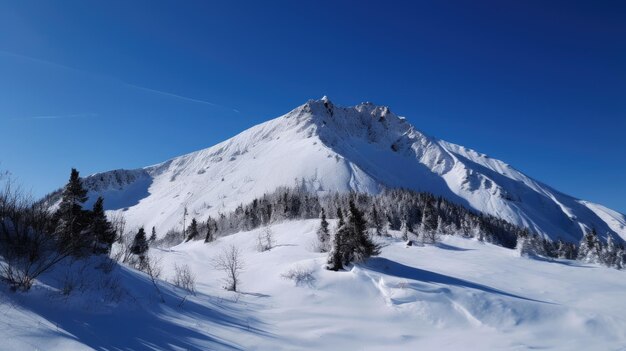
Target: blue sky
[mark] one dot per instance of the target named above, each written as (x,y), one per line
(125,84)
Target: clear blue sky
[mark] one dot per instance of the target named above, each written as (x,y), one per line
(100,85)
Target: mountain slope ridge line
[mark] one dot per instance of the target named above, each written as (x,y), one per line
(362,148)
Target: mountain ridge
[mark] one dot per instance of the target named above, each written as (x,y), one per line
(362,148)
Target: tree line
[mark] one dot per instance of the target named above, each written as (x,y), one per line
(418,213)
(419,216)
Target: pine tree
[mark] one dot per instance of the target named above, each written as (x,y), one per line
(404,229)
(441,227)
(377,221)
(101,229)
(340,219)
(358,245)
(429,223)
(620,257)
(610,252)
(590,249)
(386,223)
(140,244)
(563,250)
(480,234)
(153,236)
(192,230)
(465,226)
(335,256)
(523,246)
(549,248)
(323,234)
(71,219)
(211,228)
(538,245)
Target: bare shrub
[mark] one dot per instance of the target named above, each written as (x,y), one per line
(75,278)
(184,278)
(300,276)
(118,222)
(152,267)
(120,253)
(230,262)
(121,249)
(112,288)
(265,239)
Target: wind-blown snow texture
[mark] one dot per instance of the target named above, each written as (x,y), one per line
(457,295)
(362,148)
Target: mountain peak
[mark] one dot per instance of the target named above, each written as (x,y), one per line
(365,122)
(362,148)
(324,112)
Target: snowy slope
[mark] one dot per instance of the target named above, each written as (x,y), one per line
(332,148)
(458,295)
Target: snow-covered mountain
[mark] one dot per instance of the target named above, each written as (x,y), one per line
(330,148)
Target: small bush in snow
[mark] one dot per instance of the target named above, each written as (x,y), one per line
(184,278)
(265,240)
(300,276)
(152,267)
(75,277)
(112,288)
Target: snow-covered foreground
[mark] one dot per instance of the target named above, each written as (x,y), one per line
(458,295)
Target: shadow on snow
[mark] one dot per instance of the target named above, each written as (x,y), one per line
(388,267)
(140,322)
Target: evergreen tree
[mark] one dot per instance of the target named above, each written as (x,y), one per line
(385,225)
(523,246)
(101,229)
(564,250)
(610,252)
(590,249)
(140,244)
(358,245)
(442,227)
(211,228)
(404,229)
(335,256)
(465,226)
(538,245)
(549,248)
(480,234)
(192,230)
(153,235)
(530,245)
(429,222)
(620,257)
(340,220)
(323,234)
(377,221)
(71,219)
